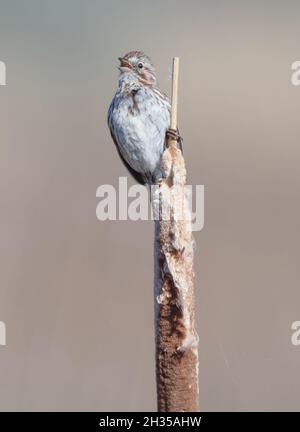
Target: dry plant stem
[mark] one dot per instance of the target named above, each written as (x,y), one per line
(174,102)
(176,338)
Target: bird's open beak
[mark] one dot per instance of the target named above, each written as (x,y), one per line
(124,65)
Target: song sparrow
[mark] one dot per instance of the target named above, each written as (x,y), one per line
(139,117)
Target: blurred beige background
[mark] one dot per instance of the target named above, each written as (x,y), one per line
(76,293)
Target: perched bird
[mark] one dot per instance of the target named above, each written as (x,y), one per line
(139,117)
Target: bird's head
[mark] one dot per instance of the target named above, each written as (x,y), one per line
(140,65)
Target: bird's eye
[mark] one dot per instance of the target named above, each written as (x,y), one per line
(140,65)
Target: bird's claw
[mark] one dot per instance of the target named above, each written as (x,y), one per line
(174,134)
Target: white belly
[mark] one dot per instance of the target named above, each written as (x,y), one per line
(140,131)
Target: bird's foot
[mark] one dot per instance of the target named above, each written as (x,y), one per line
(175,135)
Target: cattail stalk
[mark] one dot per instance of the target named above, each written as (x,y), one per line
(176,337)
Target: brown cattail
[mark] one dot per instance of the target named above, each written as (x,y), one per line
(176,337)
